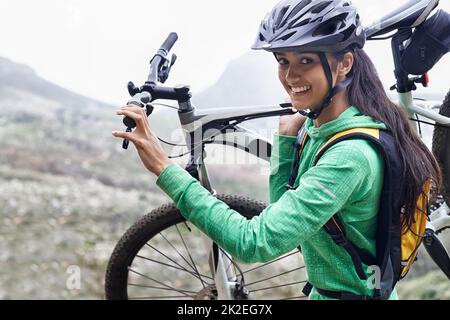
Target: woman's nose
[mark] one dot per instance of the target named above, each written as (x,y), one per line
(292,76)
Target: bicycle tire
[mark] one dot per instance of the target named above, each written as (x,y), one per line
(167,217)
(441,150)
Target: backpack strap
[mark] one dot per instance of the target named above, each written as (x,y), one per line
(338,295)
(299,144)
(334,227)
(356,133)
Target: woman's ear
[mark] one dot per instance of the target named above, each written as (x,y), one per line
(345,65)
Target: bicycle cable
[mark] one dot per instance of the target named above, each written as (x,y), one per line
(199,143)
(418,124)
(242,281)
(429,123)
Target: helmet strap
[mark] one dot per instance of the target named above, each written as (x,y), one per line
(314,114)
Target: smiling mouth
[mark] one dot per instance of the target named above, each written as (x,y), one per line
(299,90)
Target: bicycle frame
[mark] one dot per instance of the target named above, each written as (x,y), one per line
(222,126)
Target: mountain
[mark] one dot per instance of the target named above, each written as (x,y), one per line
(251,79)
(23,95)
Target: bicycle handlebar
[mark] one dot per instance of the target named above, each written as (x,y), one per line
(159,60)
(159,70)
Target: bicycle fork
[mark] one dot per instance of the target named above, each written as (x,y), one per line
(225,279)
(220,266)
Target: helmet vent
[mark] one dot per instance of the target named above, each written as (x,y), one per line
(298,8)
(280,16)
(348,32)
(320,6)
(301,23)
(261,37)
(331,26)
(286,37)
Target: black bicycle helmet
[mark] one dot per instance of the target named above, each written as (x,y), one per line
(312,26)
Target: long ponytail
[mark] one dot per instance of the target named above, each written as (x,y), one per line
(367,93)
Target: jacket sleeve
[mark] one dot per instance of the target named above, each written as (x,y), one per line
(280,165)
(283,225)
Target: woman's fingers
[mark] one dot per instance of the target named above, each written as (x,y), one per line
(123,135)
(134,108)
(139,116)
(136,115)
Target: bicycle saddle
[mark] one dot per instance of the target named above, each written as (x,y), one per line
(409,15)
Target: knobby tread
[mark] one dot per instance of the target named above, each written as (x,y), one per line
(441,149)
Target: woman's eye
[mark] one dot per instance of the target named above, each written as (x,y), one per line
(305,61)
(283,61)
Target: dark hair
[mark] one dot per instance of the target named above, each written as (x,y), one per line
(366,92)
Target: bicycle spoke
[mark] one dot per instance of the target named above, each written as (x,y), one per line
(159,282)
(278,286)
(159,288)
(176,250)
(230,260)
(228,268)
(175,267)
(183,268)
(249,284)
(189,254)
(270,262)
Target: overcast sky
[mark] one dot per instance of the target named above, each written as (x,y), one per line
(95,47)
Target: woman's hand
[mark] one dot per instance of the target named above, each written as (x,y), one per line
(290,125)
(149,149)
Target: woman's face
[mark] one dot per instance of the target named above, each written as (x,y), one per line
(303,78)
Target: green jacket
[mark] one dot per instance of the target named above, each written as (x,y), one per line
(347,179)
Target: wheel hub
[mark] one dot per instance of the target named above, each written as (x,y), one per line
(207,293)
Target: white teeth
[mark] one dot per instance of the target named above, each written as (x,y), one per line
(300,89)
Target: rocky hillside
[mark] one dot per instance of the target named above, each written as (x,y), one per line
(68,191)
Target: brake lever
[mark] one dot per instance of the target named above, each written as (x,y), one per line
(159,71)
(142,100)
(165,68)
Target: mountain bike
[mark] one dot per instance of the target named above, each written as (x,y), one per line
(162,256)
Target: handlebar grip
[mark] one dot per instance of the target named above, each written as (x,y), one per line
(128,122)
(140,100)
(170,41)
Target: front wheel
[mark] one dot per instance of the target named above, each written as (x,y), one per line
(162,256)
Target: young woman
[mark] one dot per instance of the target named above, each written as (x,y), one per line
(318,46)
